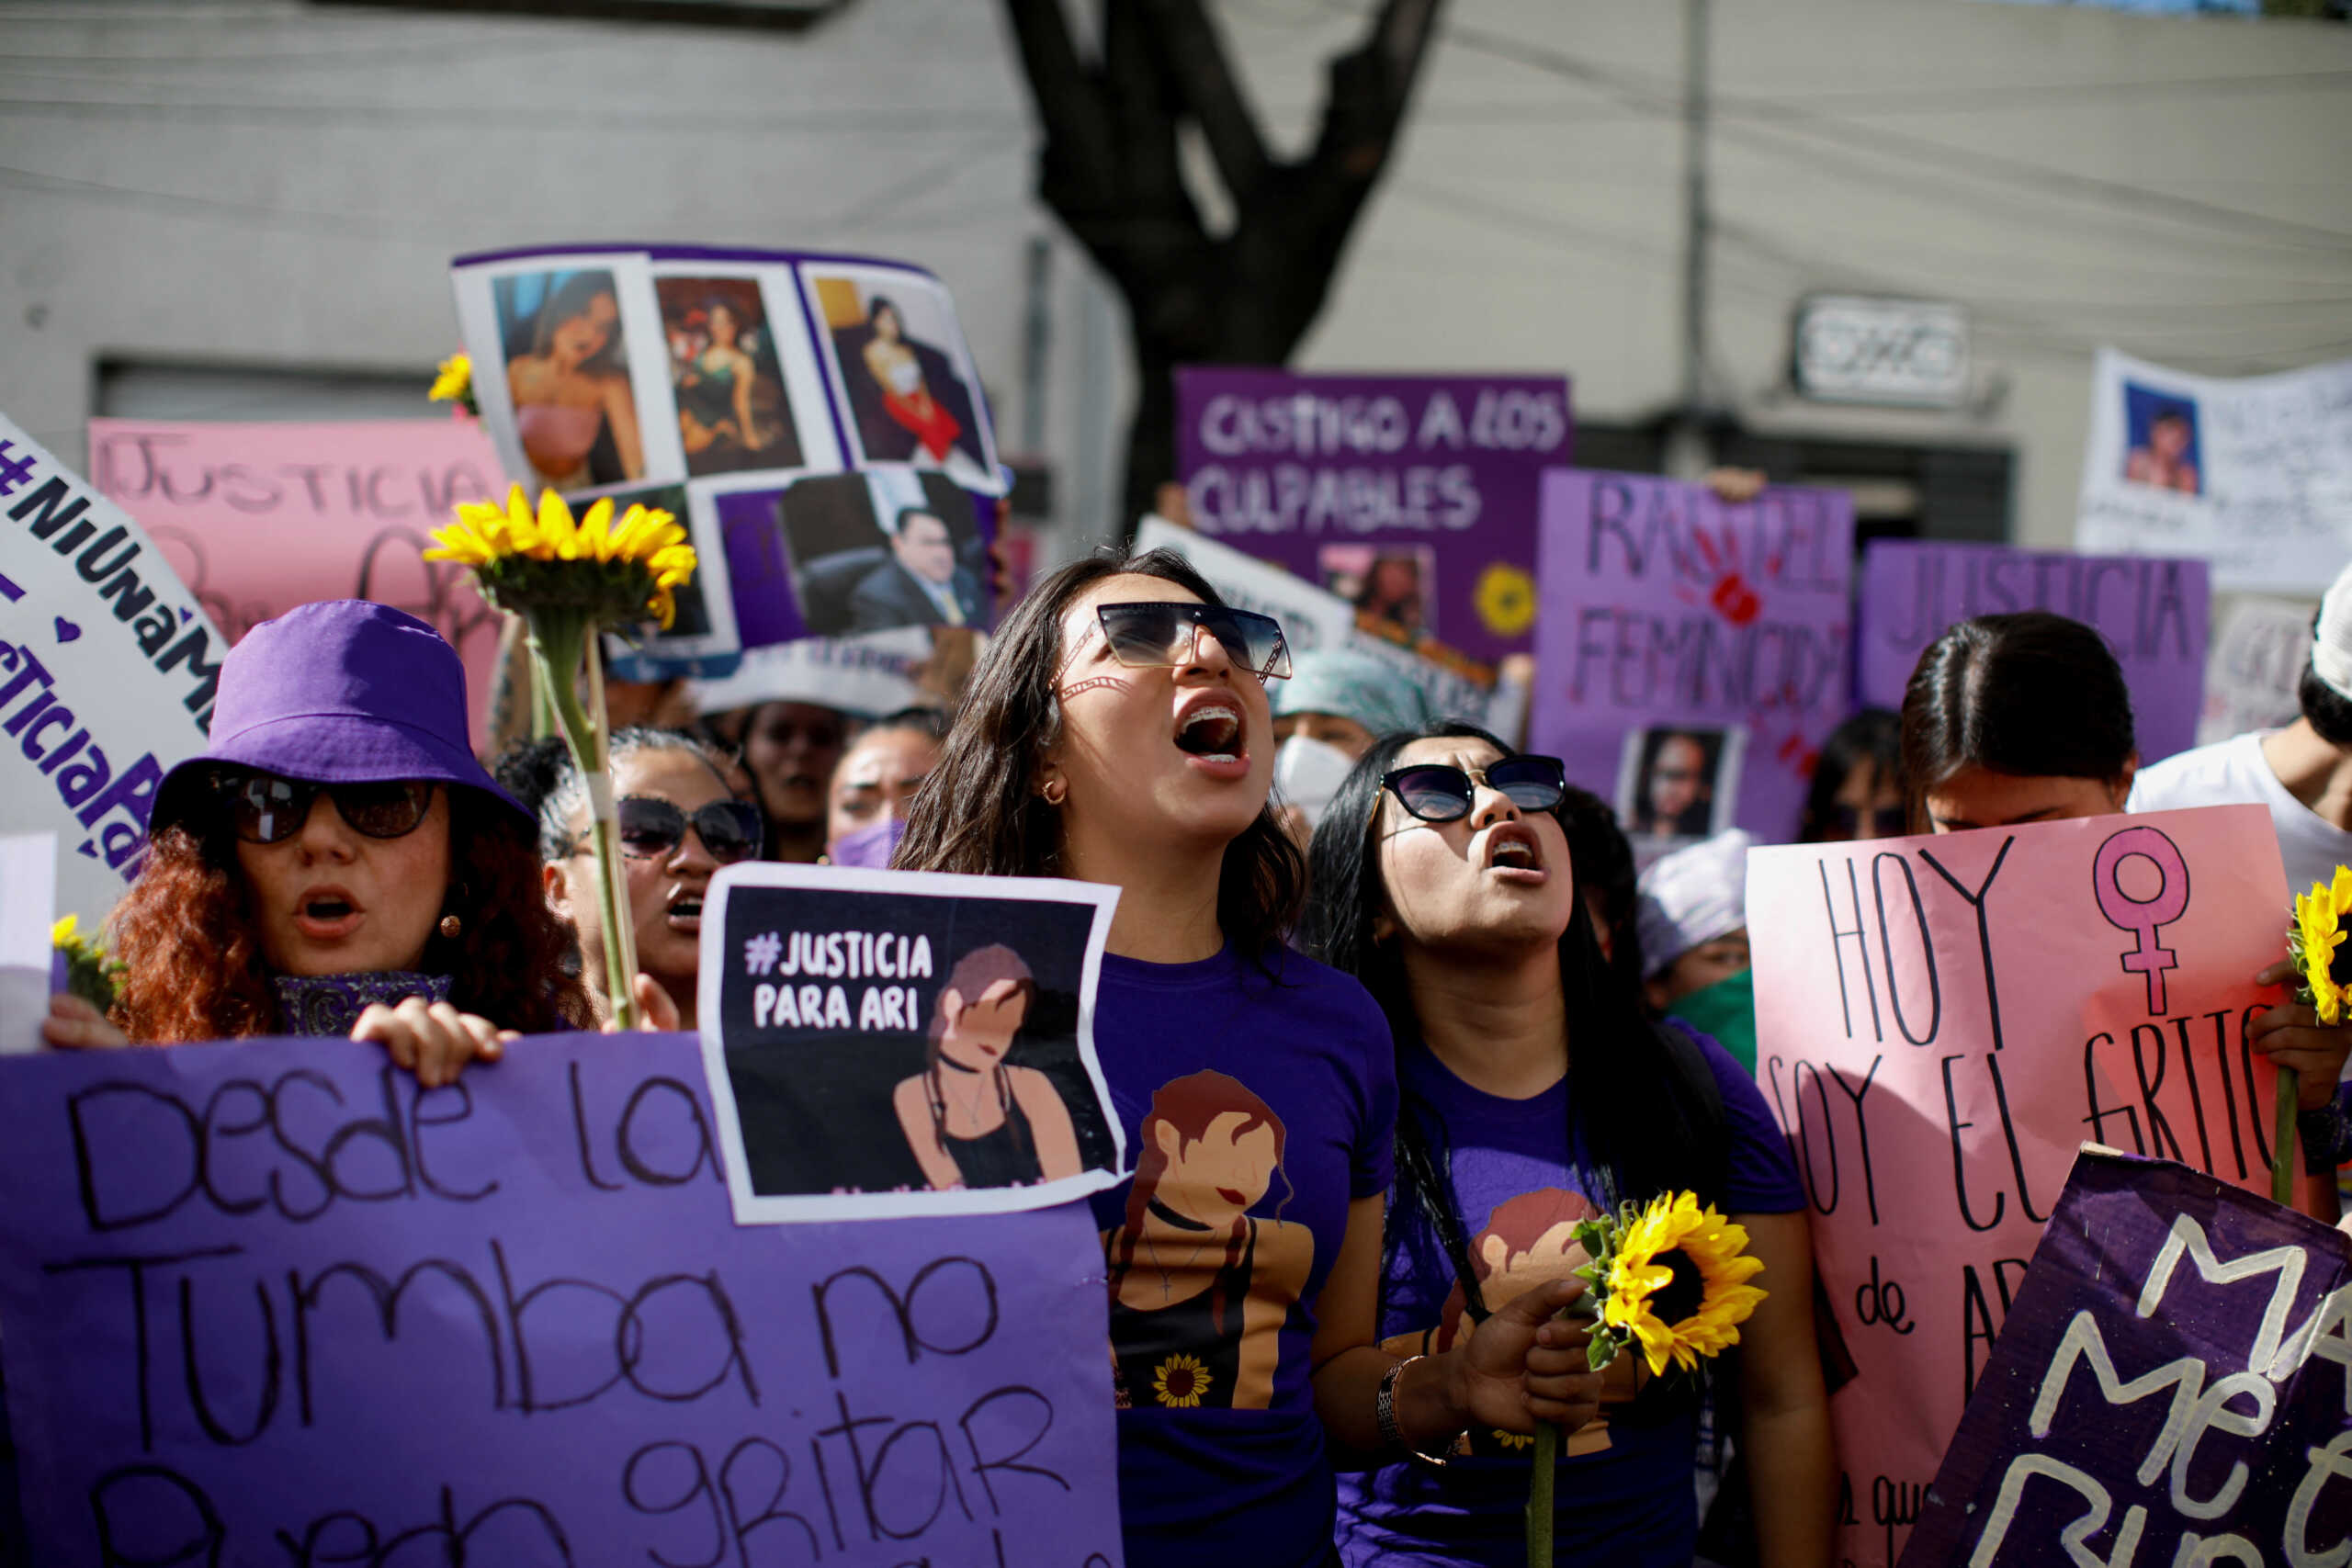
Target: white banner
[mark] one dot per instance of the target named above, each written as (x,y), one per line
(2254,475)
(107,670)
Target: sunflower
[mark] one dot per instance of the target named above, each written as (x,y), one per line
(615,572)
(1179,1382)
(1677,1282)
(2318,933)
(1505,598)
(90,973)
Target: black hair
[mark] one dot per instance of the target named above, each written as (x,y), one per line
(1604,866)
(1642,1101)
(2033,694)
(898,523)
(932,722)
(529,768)
(2325,709)
(571,298)
(979,810)
(1873,735)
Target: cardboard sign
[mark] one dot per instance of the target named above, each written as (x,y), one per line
(2252,475)
(1692,654)
(259,518)
(267,1301)
(2254,673)
(1314,620)
(1412,497)
(2152,611)
(1940,1021)
(2172,1387)
(108,671)
(888,1042)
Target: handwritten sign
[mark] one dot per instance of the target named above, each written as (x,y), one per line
(1411,496)
(1676,623)
(1939,1022)
(268,1302)
(1314,620)
(108,671)
(887,1042)
(2252,675)
(2252,475)
(259,518)
(2172,1384)
(2153,612)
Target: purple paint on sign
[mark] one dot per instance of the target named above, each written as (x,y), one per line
(1691,653)
(265,1300)
(1413,496)
(766,609)
(2168,1387)
(2153,611)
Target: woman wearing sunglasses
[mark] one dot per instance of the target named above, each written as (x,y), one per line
(679,823)
(1117,731)
(336,863)
(1535,1093)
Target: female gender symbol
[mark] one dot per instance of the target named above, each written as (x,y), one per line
(2143,917)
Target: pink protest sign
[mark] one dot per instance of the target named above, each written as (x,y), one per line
(1942,1022)
(259,518)
(1691,652)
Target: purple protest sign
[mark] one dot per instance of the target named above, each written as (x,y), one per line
(1691,653)
(2153,611)
(268,1302)
(1411,496)
(2153,1397)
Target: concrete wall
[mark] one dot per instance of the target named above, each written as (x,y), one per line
(278,183)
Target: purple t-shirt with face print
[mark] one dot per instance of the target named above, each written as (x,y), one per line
(1625,1491)
(1257,1107)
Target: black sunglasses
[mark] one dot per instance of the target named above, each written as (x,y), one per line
(1439,792)
(1142,636)
(265,809)
(652,828)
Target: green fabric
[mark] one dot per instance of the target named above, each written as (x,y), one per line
(1726,1011)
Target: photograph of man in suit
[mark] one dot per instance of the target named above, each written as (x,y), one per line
(921,585)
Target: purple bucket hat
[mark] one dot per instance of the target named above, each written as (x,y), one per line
(346,690)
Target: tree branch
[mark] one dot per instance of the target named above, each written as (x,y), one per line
(1069,97)
(1370,88)
(1195,59)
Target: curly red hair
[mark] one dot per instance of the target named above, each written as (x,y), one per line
(195,968)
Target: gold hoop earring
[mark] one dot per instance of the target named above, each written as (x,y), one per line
(1055,792)
(451,926)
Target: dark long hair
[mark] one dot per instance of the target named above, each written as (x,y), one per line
(2032,695)
(979,812)
(1641,1101)
(186,930)
(1872,735)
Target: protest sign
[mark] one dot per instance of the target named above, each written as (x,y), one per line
(887,1042)
(1692,651)
(27,906)
(2255,667)
(870,675)
(268,1302)
(259,518)
(1939,1021)
(1314,621)
(2152,611)
(2252,475)
(2156,1396)
(107,669)
(1412,497)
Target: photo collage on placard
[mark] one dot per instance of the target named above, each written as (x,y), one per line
(815,424)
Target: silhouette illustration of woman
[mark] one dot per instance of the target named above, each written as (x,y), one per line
(972,1118)
(1200,1290)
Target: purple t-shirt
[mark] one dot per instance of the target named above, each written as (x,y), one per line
(1256,1111)
(1624,1492)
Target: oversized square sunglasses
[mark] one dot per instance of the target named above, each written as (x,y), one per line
(265,809)
(652,828)
(1143,636)
(1439,792)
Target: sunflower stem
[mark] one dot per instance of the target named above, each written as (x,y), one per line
(557,649)
(619,936)
(2282,1147)
(1544,1468)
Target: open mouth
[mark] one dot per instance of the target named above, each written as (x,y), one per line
(1512,848)
(326,914)
(328,909)
(687,908)
(1212,733)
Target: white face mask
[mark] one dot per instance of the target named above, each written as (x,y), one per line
(1308,773)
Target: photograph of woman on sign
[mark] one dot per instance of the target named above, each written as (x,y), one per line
(909,400)
(972,1118)
(2160,432)
(732,411)
(1389,583)
(1200,1288)
(567,371)
(1678,783)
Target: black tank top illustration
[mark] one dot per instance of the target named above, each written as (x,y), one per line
(1004,1156)
(1177,1357)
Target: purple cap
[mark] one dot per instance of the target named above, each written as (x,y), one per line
(346,690)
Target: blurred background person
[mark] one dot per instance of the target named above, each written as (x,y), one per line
(1692,917)
(790,748)
(874,783)
(1857,789)
(1336,704)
